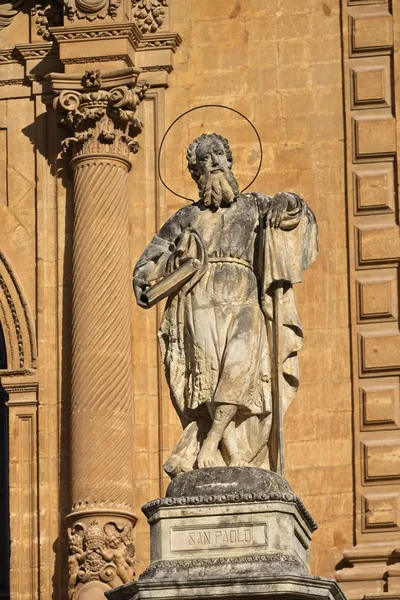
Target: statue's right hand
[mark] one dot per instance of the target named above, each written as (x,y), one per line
(140,286)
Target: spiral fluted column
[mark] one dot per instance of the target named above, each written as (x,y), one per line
(101,403)
(102,119)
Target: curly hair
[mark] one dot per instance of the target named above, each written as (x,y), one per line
(191,152)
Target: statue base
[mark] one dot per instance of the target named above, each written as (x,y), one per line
(229,532)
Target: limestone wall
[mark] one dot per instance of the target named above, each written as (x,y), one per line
(316,78)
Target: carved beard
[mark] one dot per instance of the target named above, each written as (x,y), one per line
(216,188)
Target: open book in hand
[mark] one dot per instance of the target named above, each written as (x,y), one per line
(171,283)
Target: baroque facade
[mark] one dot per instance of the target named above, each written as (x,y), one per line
(87,90)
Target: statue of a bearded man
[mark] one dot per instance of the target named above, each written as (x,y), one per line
(219,336)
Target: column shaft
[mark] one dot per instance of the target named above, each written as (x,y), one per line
(101,403)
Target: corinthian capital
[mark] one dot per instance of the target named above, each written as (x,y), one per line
(100,117)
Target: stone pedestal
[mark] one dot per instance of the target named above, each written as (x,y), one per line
(229,532)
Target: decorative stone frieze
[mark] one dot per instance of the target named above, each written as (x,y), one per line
(149,15)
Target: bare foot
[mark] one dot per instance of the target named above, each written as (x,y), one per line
(236,461)
(208,454)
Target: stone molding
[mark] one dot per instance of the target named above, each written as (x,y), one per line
(268,586)
(149,508)
(283,561)
(139,41)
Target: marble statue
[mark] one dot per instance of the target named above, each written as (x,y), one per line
(230,333)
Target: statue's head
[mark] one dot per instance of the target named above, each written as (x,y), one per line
(210,164)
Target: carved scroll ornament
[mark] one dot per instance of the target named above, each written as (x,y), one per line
(149,15)
(96,553)
(101,120)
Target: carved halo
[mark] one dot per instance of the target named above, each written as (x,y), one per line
(257,142)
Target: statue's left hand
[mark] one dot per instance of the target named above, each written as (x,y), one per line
(140,285)
(277,208)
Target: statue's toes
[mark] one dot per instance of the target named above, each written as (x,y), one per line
(207,461)
(238,462)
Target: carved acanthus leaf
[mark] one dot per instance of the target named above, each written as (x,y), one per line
(149,15)
(101,120)
(8,10)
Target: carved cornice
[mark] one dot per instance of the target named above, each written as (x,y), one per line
(282,560)
(100,115)
(149,15)
(155,41)
(8,10)
(33,51)
(151,507)
(131,31)
(7,56)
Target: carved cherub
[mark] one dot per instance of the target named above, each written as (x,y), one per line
(119,549)
(76,557)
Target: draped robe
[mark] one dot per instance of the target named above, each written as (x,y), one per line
(216,332)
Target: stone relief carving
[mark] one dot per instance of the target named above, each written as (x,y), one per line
(101,120)
(91,9)
(149,15)
(230,334)
(96,553)
(48,14)
(8,10)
